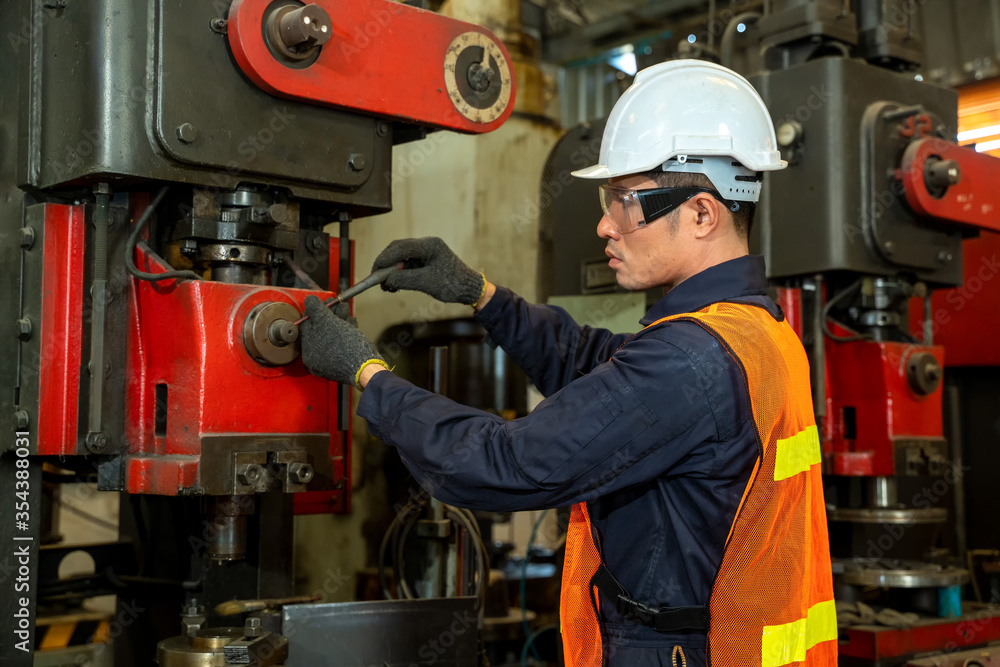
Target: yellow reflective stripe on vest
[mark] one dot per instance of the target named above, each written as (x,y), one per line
(788,643)
(797,453)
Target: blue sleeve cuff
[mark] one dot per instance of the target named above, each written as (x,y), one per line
(491,314)
(372,399)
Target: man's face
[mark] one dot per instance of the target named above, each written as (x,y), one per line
(659,253)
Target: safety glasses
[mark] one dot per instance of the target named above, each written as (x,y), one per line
(628,210)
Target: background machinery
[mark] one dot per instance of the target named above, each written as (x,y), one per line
(166,172)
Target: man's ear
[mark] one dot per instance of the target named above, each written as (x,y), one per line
(709,212)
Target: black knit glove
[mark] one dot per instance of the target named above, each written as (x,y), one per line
(435,271)
(332,346)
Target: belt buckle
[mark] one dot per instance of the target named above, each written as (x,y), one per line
(635,611)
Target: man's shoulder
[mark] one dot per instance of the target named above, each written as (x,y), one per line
(681,346)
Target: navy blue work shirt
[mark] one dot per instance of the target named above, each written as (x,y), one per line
(654,430)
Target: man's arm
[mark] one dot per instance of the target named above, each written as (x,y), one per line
(630,420)
(544,340)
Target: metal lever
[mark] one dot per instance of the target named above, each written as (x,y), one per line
(376,278)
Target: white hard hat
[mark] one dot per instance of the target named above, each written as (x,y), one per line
(680,110)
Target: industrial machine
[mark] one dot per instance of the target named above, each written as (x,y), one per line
(864,225)
(166,173)
(867,221)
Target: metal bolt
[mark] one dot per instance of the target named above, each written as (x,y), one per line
(301,472)
(188,247)
(278,213)
(187,133)
(318,244)
(249,474)
(98,443)
(24,329)
(252,627)
(282,333)
(27,238)
(381,128)
(356,162)
(22,419)
(219,25)
(944,257)
(940,174)
(888,248)
(480,78)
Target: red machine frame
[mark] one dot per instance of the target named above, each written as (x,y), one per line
(972,201)
(187,335)
(879,643)
(965,319)
(377,56)
(870,378)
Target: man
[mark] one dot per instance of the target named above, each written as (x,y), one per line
(689,451)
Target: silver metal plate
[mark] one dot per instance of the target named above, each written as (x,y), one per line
(901,516)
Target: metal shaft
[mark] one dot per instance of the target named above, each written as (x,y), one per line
(97,440)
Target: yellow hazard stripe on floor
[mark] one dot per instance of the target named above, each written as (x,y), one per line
(788,643)
(103,634)
(58,636)
(797,453)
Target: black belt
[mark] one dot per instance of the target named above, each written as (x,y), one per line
(663,619)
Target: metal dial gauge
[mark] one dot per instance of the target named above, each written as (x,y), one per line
(477,77)
(788,134)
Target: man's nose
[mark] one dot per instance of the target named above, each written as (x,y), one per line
(607,229)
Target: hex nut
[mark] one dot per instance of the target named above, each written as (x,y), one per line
(252,627)
(249,474)
(301,472)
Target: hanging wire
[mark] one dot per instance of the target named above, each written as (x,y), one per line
(133,239)
(829,307)
(395,540)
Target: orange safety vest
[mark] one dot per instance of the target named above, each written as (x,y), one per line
(772,601)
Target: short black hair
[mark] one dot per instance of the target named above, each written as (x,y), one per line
(742,219)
